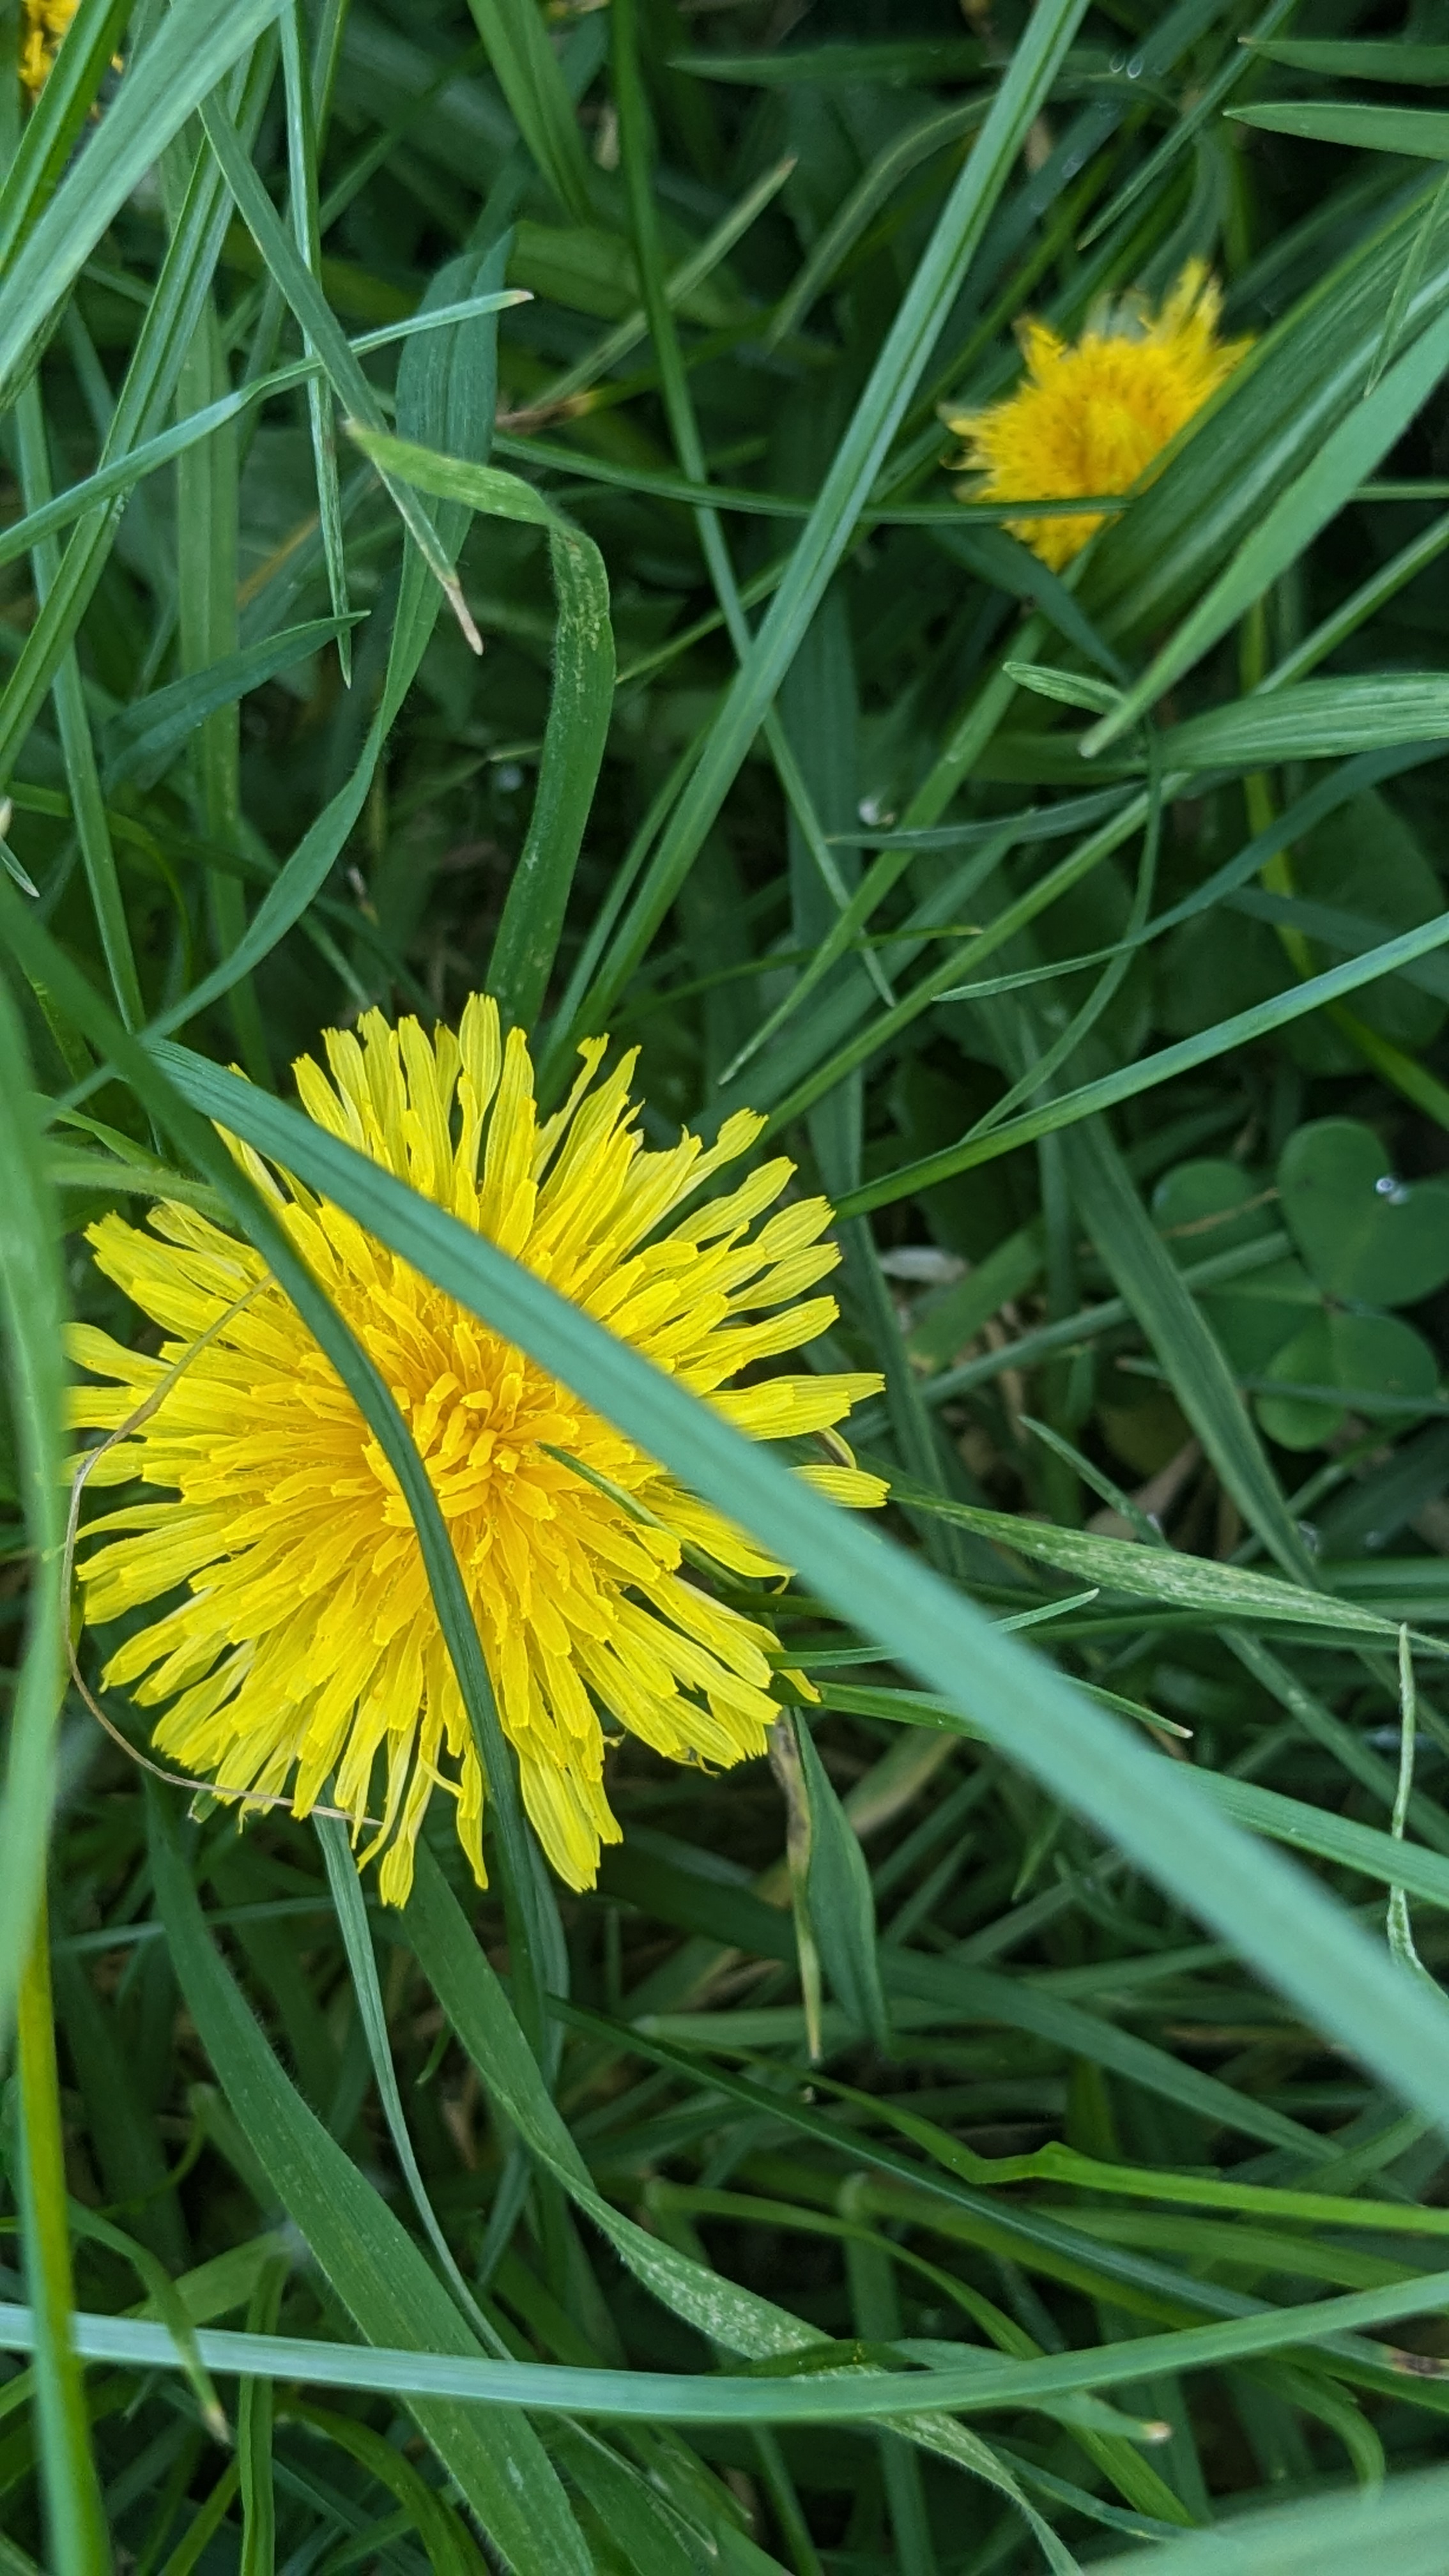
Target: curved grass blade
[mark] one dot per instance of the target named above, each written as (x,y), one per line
(1298,1938)
(829,2395)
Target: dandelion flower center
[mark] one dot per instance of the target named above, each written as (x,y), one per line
(1091,417)
(306,1648)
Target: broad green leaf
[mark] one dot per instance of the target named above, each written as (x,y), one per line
(1365,1234)
(373,2265)
(1364,1359)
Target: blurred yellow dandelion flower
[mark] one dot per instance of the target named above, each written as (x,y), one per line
(1091,417)
(307,1646)
(43,23)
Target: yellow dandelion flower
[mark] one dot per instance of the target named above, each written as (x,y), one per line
(1090,418)
(307,1647)
(44,22)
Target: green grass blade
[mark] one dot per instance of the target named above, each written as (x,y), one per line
(1350,451)
(73,2511)
(33,1305)
(325,334)
(1298,1938)
(846,490)
(196,45)
(445,2382)
(1401,2527)
(580,707)
(1109,1090)
(57,120)
(351,1910)
(532,81)
(1418,131)
(373,2265)
(1405,65)
(302,174)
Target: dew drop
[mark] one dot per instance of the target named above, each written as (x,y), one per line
(1308,1532)
(1136,67)
(1386,1187)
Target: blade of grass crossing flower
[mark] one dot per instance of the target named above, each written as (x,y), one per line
(43,960)
(33,1304)
(195,46)
(831,525)
(58,117)
(1351,450)
(1300,387)
(302,177)
(1298,1938)
(73,2512)
(531,80)
(373,2265)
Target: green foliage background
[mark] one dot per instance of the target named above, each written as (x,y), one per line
(478,514)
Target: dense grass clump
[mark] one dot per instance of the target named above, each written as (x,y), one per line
(724,1854)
